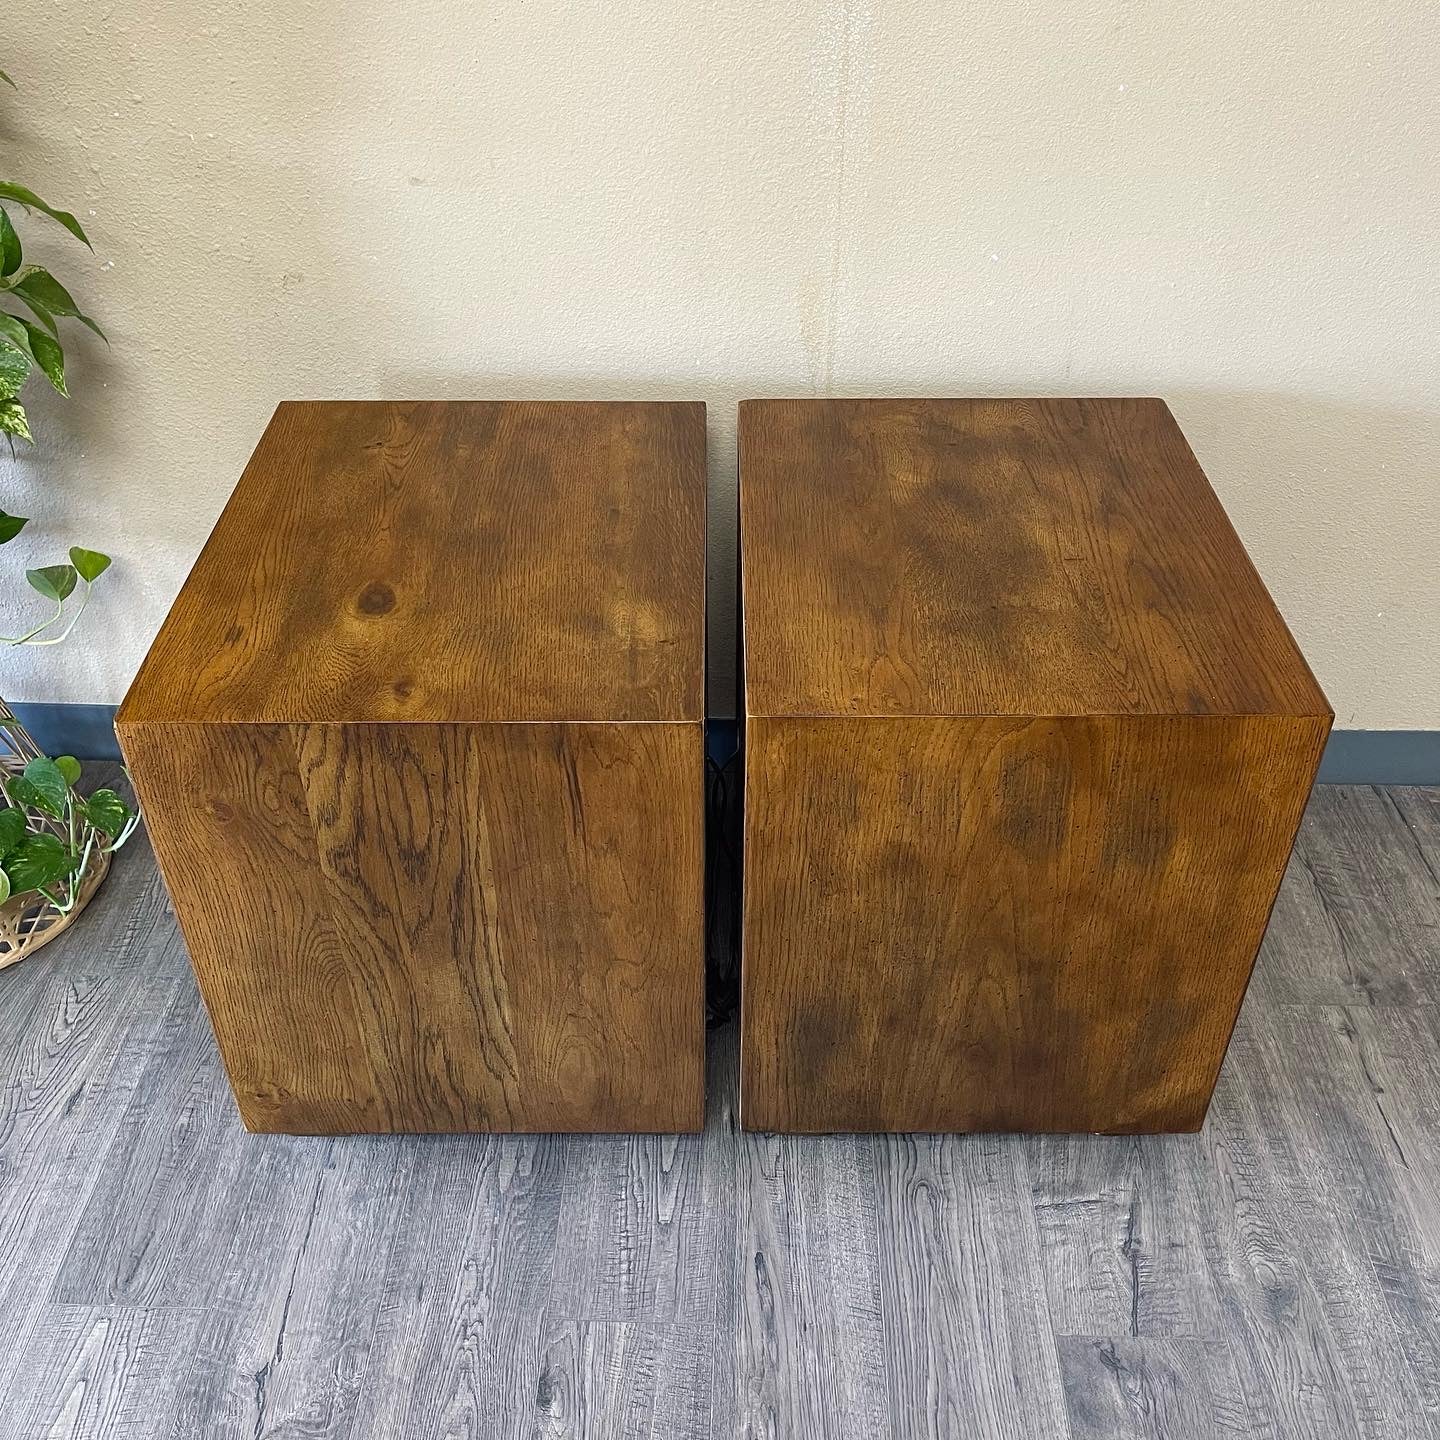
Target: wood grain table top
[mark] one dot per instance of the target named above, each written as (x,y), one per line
(997,557)
(448,561)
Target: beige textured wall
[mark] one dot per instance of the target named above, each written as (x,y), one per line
(1234,205)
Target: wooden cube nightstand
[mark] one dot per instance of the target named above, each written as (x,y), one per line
(1027,746)
(421,751)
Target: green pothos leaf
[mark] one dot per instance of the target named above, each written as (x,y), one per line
(69,768)
(45,318)
(10,250)
(11,526)
(13,421)
(40,290)
(54,582)
(15,333)
(12,827)
(90,564)
(31,201)
(37,861)
(107,812)
(14,371)
(48,784)
(21,792)
(48,356)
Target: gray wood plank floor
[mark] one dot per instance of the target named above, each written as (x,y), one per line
(162,1274)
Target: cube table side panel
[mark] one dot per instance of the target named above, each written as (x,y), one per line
(1007,924)
(424,927)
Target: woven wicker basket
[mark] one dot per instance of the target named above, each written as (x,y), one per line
(28,921)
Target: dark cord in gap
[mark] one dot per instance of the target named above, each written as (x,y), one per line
(722,891)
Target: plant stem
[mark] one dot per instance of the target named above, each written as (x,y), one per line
(29,637)
(126,831)
(75,614)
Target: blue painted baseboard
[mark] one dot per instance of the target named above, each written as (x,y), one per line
(1353,757)
(1381,757)
(85,731)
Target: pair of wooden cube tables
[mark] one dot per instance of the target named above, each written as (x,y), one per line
(421,745)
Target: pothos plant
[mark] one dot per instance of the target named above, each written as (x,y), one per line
(49,832)
(53,861)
